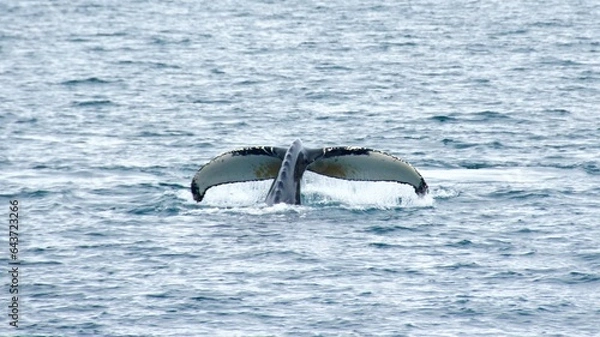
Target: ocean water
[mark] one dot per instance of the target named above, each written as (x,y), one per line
(108,108)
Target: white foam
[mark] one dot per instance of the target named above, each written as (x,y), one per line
(319,190)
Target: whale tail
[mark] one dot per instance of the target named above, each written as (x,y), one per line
(247,164)
(264,162)
(356,163)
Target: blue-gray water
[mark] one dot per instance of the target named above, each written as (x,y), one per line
(108,108)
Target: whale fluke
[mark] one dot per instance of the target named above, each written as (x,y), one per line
(247,164)
(357,163)
(287,166)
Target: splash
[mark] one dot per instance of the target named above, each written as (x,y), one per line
(320,191)
(237,194)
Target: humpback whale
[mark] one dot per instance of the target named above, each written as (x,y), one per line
(287,166)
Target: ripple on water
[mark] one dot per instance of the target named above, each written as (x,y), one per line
(85,81)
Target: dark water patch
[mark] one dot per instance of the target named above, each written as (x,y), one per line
(592,168)
(79,39)
(213,101)
(172,256)
(336,118)
(461,244)
(520,194)
(85,81)
(589,167)
(519,31)
(461,265)
(501,246)
(111,34)
(97,49)
(164,133)
(96,234)
(464,311)
(163,295)
(383,245)
(156,209)
(527,230)
(308,45)
(42,287)
(557,62)
(439,163)
(155,169)
(393,45)
(7,114)
(311,261)
(481,81)
(477,165)
(162,65)
(217,71)
(444,118)
(490,116)
(35,194)
(173,185)
(445,73)
(37,250)
(257,51)
(226,127)
(593,258)
(551,23)
(102,245)
(248,82)
(457,144)
(112,191)
(162,41)
(578,277)
(556,112)
(496,145)
(461,145)
(84,328)
(42,263)
(210,299)
(384,270)
(275,254)
(509,274)
(332,67)
(158,170)
(27,120)
(319,95)
(94,103)
(149,64)
(520,69)
(389,229)
(589,75)
(572,278)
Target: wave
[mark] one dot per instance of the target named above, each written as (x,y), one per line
(95,103)
(85,81)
